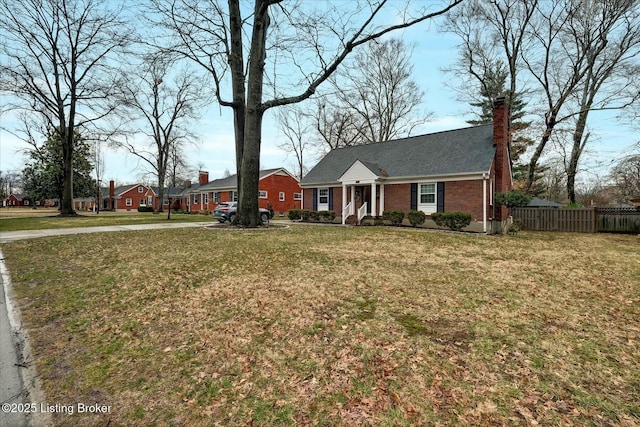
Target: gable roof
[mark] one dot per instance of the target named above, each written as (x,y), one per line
(455,152)
(231,182)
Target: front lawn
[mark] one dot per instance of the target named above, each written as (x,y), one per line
(335,326)
(27,222)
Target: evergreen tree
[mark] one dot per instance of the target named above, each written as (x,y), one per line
(43,176)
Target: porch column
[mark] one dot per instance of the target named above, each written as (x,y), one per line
(344,203)
(381,198)
(353,199)
(373,198)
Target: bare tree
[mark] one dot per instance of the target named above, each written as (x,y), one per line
(177,168)
(57,60)
(493,36)
(165,108)
(296,128)
(9,183)
(372,98)
(583,51)
(626,178)
(609,34)
(306,41)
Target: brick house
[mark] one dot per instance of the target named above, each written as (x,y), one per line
(278,189)
(16,200)
(130,197)
(456,170)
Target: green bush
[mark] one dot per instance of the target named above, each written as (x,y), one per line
(314,216)
(305,215)
(455,221)
(327,216)
(145,208)
(295,214)
(416,217)
(395,217)
(513,199)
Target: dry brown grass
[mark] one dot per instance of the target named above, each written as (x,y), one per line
(335,326)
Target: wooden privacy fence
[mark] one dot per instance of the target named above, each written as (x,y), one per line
(625,220)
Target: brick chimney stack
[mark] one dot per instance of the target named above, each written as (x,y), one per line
(112,194)
(203,178)
(501,139)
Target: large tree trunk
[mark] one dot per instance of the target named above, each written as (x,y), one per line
(66,202)
(236,64)
(579,142)
(533,163)
(248,214)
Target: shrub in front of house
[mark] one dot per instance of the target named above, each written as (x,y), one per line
(455,221)
(416,217)
(327,216)
(145,208)
(314,216)
(394,217)
(295,214)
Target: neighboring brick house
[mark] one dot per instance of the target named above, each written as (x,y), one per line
(17,200)
(456,170)
(130,197)
(278,190)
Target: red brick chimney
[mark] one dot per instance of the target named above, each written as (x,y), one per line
(112,194)
(187,184)
(203,178)
(501,135)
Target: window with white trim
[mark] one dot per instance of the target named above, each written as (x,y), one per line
(140,189)
(142,202)
(128,202)
(235,196)
(205,198)
(216,197)
(195,199)
(427,197)
(323,196)
(281,196)
(262,194)
(297,196)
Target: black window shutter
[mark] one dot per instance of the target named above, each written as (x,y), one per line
(414,196)
(231,196)
(330,198)
(440,197)
(315,199)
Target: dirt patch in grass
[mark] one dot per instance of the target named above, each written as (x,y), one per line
(335,326)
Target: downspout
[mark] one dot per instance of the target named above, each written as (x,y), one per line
(484,203)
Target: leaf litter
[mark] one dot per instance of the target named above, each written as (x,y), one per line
(335,326)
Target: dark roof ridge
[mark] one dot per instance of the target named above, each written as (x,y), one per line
(406,138)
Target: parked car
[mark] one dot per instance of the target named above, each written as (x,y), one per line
(226,211)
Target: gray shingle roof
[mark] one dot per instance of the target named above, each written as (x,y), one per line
(461,151)
(542,203)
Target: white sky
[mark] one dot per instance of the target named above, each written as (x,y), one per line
(433,52)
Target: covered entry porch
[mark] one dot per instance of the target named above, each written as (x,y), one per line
(362,190)
(362,199)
